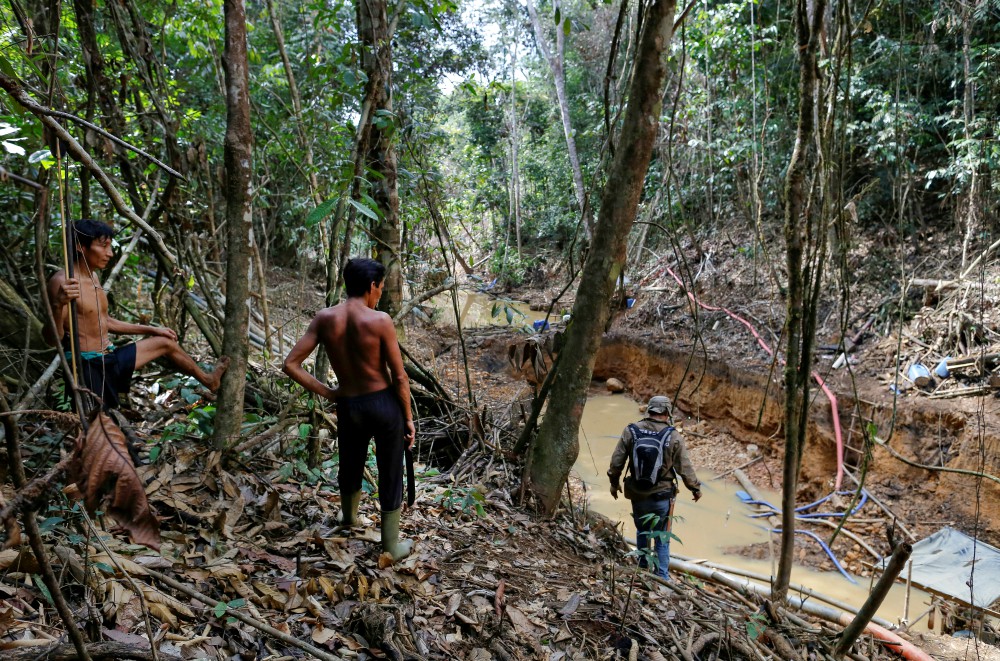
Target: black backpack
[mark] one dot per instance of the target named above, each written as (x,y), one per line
(648,448)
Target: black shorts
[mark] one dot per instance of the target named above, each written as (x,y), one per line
(359,419)
(110,375)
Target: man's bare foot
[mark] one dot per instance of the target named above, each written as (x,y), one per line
(216,375)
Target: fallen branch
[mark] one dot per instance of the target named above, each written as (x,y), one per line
(941,469)
(33,492)
(961,392)
(243,617)
(414,302)
(97,651)
(900,555)
(935,284)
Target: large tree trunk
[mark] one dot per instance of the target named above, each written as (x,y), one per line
(557,445)
(19,327)
(376,60)
(237,156)
(556,61)
(800,316)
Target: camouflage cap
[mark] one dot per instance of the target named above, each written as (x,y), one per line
(658,404)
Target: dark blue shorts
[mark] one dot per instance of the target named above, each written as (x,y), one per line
(110,375)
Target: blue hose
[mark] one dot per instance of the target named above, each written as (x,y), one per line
(812,505)
(826,548)
(817,515)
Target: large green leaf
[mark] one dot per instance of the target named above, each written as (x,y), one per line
(320,213)
(364,210)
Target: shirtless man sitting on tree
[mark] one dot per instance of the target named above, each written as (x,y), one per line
(105,369)
(373,397)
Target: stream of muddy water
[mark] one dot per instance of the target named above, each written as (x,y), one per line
(476,310)
(717,522)
(711,529)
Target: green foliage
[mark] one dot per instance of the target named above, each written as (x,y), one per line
(221,607)
(756,625)
(465,500)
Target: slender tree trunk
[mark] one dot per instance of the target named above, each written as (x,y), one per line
(376,60)
(515,174)
(237,156)
(556,61)
(798,330)
(967,210)
(557,445)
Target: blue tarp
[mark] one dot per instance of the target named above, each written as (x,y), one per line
(944,563)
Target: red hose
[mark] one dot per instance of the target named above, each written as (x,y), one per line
(829,394)
(892,642)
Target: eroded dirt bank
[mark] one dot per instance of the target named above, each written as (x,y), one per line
(958,434)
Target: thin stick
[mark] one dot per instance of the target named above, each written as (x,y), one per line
(242,617)
(68,251)
(414,302)
(941,469)
(115,139)
(77,151)
(12,436)
(131,581)
(7,174)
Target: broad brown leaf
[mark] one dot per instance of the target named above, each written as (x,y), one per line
(102,465)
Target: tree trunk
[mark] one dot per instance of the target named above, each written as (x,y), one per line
(557,445)
(19,327)
(799,329)
(237,156)
(515,175)
(376,60)
(556,61)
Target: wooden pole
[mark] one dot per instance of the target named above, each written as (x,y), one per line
(69,256)
(900,555)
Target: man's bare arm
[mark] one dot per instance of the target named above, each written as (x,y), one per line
(61,291)
(293,363)
(400,381)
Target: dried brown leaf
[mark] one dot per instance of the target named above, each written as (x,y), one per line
(116,595)
(272,598)
(163,614)
(102,464)
(154,596)
(453,603)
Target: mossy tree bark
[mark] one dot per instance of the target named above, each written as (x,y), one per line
(238,158)
(376,60)
(19,327)
(804,271)
(557,445)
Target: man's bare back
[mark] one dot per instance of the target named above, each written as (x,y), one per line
(354,337)
(363,350)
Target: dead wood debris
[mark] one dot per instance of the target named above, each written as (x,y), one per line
(487,580)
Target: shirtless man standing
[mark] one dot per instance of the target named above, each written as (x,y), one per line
(373,396)
(104,369)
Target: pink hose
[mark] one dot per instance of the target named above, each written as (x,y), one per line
(829,394)
(904,648)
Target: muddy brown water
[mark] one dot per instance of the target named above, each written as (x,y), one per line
(718,521)
(476,311)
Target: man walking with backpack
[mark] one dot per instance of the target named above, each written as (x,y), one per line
(655,454)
